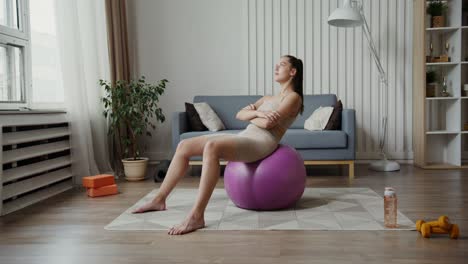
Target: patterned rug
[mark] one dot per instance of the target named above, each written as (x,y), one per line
(318,209)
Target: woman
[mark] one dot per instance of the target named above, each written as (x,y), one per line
(270,117)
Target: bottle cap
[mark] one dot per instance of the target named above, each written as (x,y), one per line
(389,191)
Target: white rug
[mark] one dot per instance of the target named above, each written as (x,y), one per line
(318,209)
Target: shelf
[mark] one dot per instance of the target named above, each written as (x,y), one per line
(443,98)
(443,29)
(441,63)
(438,142)
(441,132)
(464,132)
(442,116)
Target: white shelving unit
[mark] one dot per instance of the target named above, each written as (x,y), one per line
(440,139)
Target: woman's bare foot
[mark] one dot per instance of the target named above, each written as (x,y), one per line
(155,205)
(190,224)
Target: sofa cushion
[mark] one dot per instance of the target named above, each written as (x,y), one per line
(334,123)
(305,139)
(319,118)
(194,121)
(296,138)
(312,102)
(209,117)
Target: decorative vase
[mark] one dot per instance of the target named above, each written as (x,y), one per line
(135,170)
(438,21)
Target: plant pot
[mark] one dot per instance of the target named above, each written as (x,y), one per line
(438,21)
(431,89)
(135,170)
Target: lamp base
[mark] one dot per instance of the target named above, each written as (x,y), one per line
(384,165)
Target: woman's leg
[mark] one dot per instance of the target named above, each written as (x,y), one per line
(177,169)
(221,147)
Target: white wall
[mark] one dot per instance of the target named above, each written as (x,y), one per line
(230,47)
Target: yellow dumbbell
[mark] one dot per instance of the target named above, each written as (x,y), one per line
(454,232)
(441,226)
(443,222)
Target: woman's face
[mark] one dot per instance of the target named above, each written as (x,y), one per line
(283,70)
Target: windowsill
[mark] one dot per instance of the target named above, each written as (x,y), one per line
(26,112)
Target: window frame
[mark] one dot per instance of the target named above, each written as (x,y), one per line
(20,38)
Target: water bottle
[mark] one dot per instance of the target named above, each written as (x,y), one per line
(390,208)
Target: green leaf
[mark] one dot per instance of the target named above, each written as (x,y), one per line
(131,105)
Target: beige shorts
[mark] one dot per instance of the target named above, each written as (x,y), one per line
(252,143)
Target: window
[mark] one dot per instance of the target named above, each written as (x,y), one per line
(14,54)
(11,73)
(9,14)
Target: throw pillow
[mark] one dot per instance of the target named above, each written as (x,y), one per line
(319,118)
(335,119)
(209,117)
(195,123)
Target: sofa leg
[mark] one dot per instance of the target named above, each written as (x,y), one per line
(351,170)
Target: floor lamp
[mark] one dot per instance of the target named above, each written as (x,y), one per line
(352,15)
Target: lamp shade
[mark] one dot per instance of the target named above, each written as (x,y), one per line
(346,16)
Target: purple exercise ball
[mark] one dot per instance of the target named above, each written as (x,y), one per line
(273,183)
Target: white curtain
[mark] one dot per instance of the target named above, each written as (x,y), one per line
(82,41)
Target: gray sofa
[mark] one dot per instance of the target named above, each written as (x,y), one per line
(315,147)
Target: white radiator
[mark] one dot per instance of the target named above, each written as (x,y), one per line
(35,158)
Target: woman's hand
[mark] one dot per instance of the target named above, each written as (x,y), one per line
(271,116)
(250,107)
(247,113)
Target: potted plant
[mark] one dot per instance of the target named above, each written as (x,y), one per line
(431,83)
(131,106)
(436,9)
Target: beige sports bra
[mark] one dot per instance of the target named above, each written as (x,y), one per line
(278,130)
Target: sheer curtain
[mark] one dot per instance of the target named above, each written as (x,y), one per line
(83,52)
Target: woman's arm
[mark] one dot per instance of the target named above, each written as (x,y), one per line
(249,112)
(261,122)
(289,105)
(268,120)
(246,114)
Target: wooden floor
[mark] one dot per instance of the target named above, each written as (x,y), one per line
(69,228)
